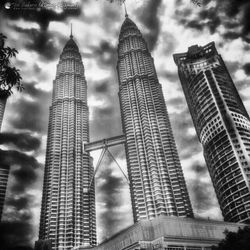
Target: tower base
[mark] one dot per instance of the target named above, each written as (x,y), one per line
(43,245)
(165,232)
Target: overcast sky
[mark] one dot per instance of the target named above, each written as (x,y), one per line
(170,26)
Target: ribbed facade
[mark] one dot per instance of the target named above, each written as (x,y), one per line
(68,204)
(4,175)
(156,179)
(222,125)
(3,101)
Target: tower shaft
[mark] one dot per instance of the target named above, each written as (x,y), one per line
(222,125)
(157,184)
(68,204)
(4,176)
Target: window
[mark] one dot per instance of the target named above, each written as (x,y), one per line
(193,248)
(174,247)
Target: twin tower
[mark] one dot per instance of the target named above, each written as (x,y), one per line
(157,183)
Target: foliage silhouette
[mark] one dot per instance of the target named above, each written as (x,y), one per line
(9,76)
(235,240)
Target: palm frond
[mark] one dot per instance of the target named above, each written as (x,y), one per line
(197,2)
(9,76)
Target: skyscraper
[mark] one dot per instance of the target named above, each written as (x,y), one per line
(4,174)
(222,125)
(68,203)
(156,179)
(3,101)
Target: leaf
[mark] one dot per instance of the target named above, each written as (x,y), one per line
(9,76)
(197,2)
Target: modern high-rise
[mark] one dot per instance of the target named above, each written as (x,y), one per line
(4,175)
(3,101)
(68,203)
(222,125)
(157,183)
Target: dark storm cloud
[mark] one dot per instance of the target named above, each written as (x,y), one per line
(19,208)
(23,141)
(19,202)
(197,2)
(232,14)
(41,41)
(20,63)
(116,1)
(199,169)
(32,91)
(105,55)
(245,19)
(110,188)
(105,111)
(42,15)
(29,116)
(183,12)
(211,18)
(195,24)
(110,15)
(18,230)
(26,173)
(176,102)
(230,35)
(169,75)
(12,157)
(202,195)
(232,66)
(169,43)
(201,192)
(187,144)
(37,69)
(246,68)
(150,18)
(206,18)
(107,120)
(15,235)
(32,115)
(102,87)
(241,86)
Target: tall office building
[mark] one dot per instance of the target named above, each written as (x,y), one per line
(68,203)
(3,101)
(157,183)
(222,125)
(4,175)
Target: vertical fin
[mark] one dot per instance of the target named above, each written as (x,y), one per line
(71,36)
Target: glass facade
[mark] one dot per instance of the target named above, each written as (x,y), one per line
(157,183)
(68,203)
(222,125)
(3,101)
(169,233)
(4,175)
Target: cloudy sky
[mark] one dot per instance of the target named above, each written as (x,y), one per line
(40,31)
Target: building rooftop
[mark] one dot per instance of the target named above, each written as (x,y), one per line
(169,229)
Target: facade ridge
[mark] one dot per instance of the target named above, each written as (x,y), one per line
(222,125)
(157,183)
(68,214)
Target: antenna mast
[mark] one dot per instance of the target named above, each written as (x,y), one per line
(71,36)
(124,4)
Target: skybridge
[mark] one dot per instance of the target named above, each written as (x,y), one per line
(104,144)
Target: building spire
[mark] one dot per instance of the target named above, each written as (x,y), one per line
(124,4)
(71,36)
